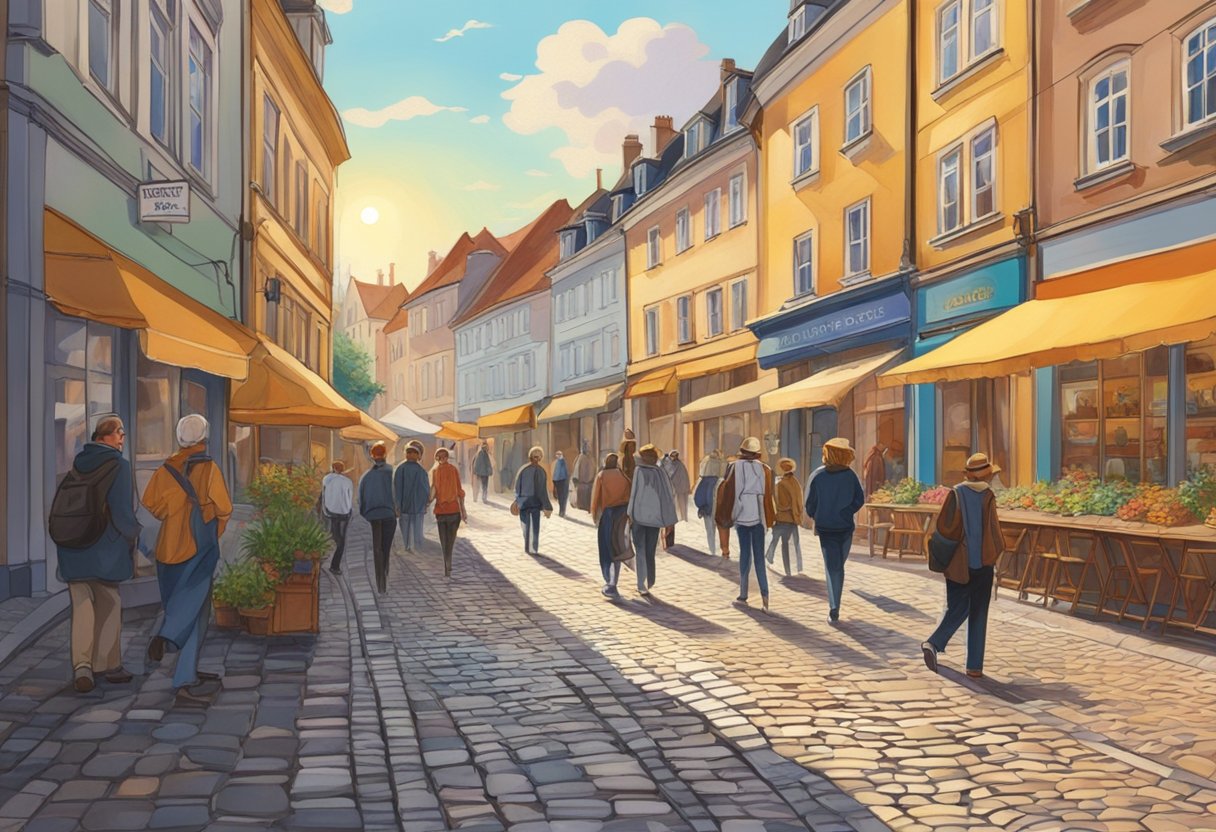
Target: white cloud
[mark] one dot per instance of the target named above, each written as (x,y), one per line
(467,27)
(479,120)
(416,106)
(337,6)
(510,76)
(535,172)
(482,185)
(596,87)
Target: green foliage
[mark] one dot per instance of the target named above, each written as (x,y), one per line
(245,585)
(353,373)
(282,489)
(279,539)
(1198,493)
(907,492)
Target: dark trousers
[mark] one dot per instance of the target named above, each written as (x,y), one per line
(835,547)
(529,518)
(382,544)
(485,488)
(967,602)
(448,524)
(645,541)
(608,565)
(338,524)
(562,489)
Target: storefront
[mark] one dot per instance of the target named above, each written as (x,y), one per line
(589,418)
(827,353)
(510,434)
(724,409)
(954,419)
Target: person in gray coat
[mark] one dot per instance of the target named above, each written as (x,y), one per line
(412,492)
(483,469)
(652,508)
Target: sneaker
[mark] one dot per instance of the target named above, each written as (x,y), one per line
(741,601)
(607,592)
(833,616)
(929,652)
(643,591)
(204,676)
(188,699)
(156,649)
(84,680)
(764,600)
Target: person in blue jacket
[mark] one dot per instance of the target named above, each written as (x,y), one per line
(377,506)
(412,490)
(561,482)
(833,497)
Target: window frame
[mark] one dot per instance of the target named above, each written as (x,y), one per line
(973,162)
(651,331)
(730,104)
(639,179)
(713,217)
(807,237)
(161,23)
(684,231)
(1121,65)
(966,55)
(685,332)
(1206,44)
(710,330)
(299,217)
(207,129)
(811,119)
(270,152)
(964,147)
(567,240)
(865,110)
(942,75)
(654,247)
(954,151)
(737,212)
(797,26)
(994,29)
(111,11)
(738,311)
(864,241)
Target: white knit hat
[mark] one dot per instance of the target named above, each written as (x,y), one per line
(191,430)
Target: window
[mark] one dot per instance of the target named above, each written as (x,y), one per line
(738,304)
(1108,118)
(983,28)
(804,271)
(102,26)
(200,71)
(639,179)
(983,155)
(947,39)
(692,139)
(857,238)
(618,207)
(683,231)
(289,167)
(684,318)
(615,347)
(567,241)
(806,137)
(713,213)
(713,312)
(732,103)
(797,26)
(652,331)
(301,215)
(270,147)
(322,221)
(738,201)
(857,107)
(949,215)
(160,74)
(653,251)
(1199,74)
(960,45)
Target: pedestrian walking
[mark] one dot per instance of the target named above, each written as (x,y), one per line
(834,495)
(628,453)
(652,508)
(188,495)
(93,525)
(483,469)
(447,494)
(709,474)
(969,517)
(788,499)
(532,498)
(378,508)
(584,477)
(412,492)
(337,505)
(561,482)
(609,511)
(681,483)
(745,500)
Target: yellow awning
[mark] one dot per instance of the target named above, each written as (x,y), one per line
(368,430)
(1043,333)
(513,418)
(654,383)
(456,431)
(735,400)
(824,389)
(717,363)
(583,403)
(282,391)
(85,278)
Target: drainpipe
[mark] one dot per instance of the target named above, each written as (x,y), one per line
(916,413)
(3,291)
(627,404)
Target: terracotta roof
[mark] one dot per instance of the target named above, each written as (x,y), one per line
(451,269)
(398,322)
(523,272)
(371,295)
(392,301)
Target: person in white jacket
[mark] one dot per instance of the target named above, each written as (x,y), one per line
(652,508)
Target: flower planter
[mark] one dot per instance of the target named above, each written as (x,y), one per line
(297,605)
(257,622)
(302,571)
(227,617)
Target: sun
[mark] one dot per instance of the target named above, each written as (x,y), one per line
(369,215)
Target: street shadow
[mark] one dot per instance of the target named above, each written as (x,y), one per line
(578,522)
(888,604)
(559,567)
(671,617)
(713,563)
(1019,693)
(809,640)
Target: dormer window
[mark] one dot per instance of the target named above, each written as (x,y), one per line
(696,137)
(731,103)
(797,24)
(639,179)
(568,241)
(618,206)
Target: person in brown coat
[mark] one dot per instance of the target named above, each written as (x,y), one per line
(969,517)
(788,497)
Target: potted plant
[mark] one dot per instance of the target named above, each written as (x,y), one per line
(310,541)
(224,597)
(256,594)
(269,541)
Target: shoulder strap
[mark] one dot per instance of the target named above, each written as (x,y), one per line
(185,483)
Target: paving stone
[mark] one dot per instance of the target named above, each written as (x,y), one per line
(261,801)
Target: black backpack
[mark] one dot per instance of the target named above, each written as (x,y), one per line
(80,512)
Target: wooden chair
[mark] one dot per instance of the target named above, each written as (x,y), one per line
(1009,566)
(1196,580)
(1138,562)
(879,520)
(1041,565)
(1072,568)
(910,533)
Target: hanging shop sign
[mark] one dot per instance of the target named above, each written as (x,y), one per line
(165,201)
(811,332)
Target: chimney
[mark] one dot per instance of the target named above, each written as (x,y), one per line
(392,274)
(599,179)
(728,67)
(432,262)
(380,277)
(662,133)
(631,150)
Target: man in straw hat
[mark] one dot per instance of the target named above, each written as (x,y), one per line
(412,491)
(968,516)
(789,516)
(746,501)
(532,498)
(378,508)
(833,497)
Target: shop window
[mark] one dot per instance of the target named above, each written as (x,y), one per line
(1114,417)
(156,390)
(879,432)
(80,382)
(1201,404)
(975,418)
(284,446)
(241,460)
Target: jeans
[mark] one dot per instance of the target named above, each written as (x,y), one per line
(529,519)
(485,488)
(562,489)
(609,567)
(645,541)
(751,550)
(967,602)
(382,545)
(835,547)
(338,523)
(96,625)
(448,524)
(783,533)
(411,531)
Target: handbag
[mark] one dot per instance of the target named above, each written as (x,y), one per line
(623,548)
(942,548)
(515,507)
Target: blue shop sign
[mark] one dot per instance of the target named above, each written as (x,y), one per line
(991,288)
(856,324)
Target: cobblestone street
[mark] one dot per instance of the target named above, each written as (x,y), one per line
(515,696)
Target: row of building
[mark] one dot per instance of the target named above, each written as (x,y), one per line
(931,227)
(170,177)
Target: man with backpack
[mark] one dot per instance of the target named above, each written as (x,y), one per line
(94,528)
(188,495)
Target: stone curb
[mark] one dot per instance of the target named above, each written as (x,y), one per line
(52,611)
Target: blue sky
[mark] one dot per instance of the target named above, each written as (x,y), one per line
(437,148)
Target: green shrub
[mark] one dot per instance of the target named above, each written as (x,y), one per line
(278,539)
(243,584)
(284,489)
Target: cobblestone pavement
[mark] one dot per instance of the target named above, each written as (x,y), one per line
(515,696)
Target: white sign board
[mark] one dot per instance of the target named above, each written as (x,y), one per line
(167,201)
